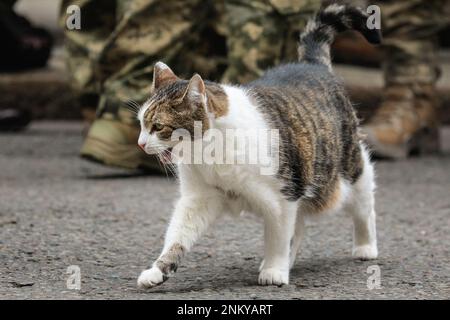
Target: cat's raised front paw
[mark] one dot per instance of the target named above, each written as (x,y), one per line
(272,276)
(150,278)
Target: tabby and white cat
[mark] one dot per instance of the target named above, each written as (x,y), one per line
(324,166)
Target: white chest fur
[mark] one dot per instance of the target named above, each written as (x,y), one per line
(243,186)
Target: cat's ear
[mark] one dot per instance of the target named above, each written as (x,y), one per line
(196,91)
(162,75)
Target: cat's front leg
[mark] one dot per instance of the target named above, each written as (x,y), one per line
(191,218)
(278,231)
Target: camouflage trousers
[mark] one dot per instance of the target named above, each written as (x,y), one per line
(263,33)
(112,56)
(409,40)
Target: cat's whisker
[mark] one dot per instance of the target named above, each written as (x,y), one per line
(172,166)
(158,157)
(130,103)
(134,111)
(172,170)
(132,106)
(134,102)
(164,165)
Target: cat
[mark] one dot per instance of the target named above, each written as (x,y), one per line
(324,166)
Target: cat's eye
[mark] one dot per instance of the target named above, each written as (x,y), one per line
(158,126)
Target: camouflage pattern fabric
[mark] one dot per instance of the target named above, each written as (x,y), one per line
(113,54)
(409,31)
(263,33)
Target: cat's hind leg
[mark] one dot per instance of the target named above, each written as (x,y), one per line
(361,207)
(297,238)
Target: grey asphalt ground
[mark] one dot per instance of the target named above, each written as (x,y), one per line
(57,210)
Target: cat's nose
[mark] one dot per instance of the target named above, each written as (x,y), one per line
(142,145)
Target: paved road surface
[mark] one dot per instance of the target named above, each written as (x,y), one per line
(57,210)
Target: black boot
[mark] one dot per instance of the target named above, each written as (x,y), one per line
(13,119)
(23,45)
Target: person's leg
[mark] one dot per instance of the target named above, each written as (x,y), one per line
(406,120)
(110,138)
(114,59)
(254,39)
(24,46)
(261,34)
(97,22)
(295,14)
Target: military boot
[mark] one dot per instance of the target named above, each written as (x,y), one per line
(406,122)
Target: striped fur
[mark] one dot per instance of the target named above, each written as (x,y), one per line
(319,33)
(323,165)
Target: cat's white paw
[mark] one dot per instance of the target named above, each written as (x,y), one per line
(273,276)
(366,252)
(150,278)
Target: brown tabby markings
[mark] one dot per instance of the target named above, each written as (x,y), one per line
(173,109)
(232,195)
(318,131)
(170,260)
(217,99)
(325,203)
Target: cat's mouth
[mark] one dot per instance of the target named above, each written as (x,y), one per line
(165,156)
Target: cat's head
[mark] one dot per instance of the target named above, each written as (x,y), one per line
(174,104)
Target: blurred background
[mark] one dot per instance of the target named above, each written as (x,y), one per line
(48,87)
(70,93)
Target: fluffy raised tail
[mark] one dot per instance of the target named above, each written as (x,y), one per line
(319,33)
